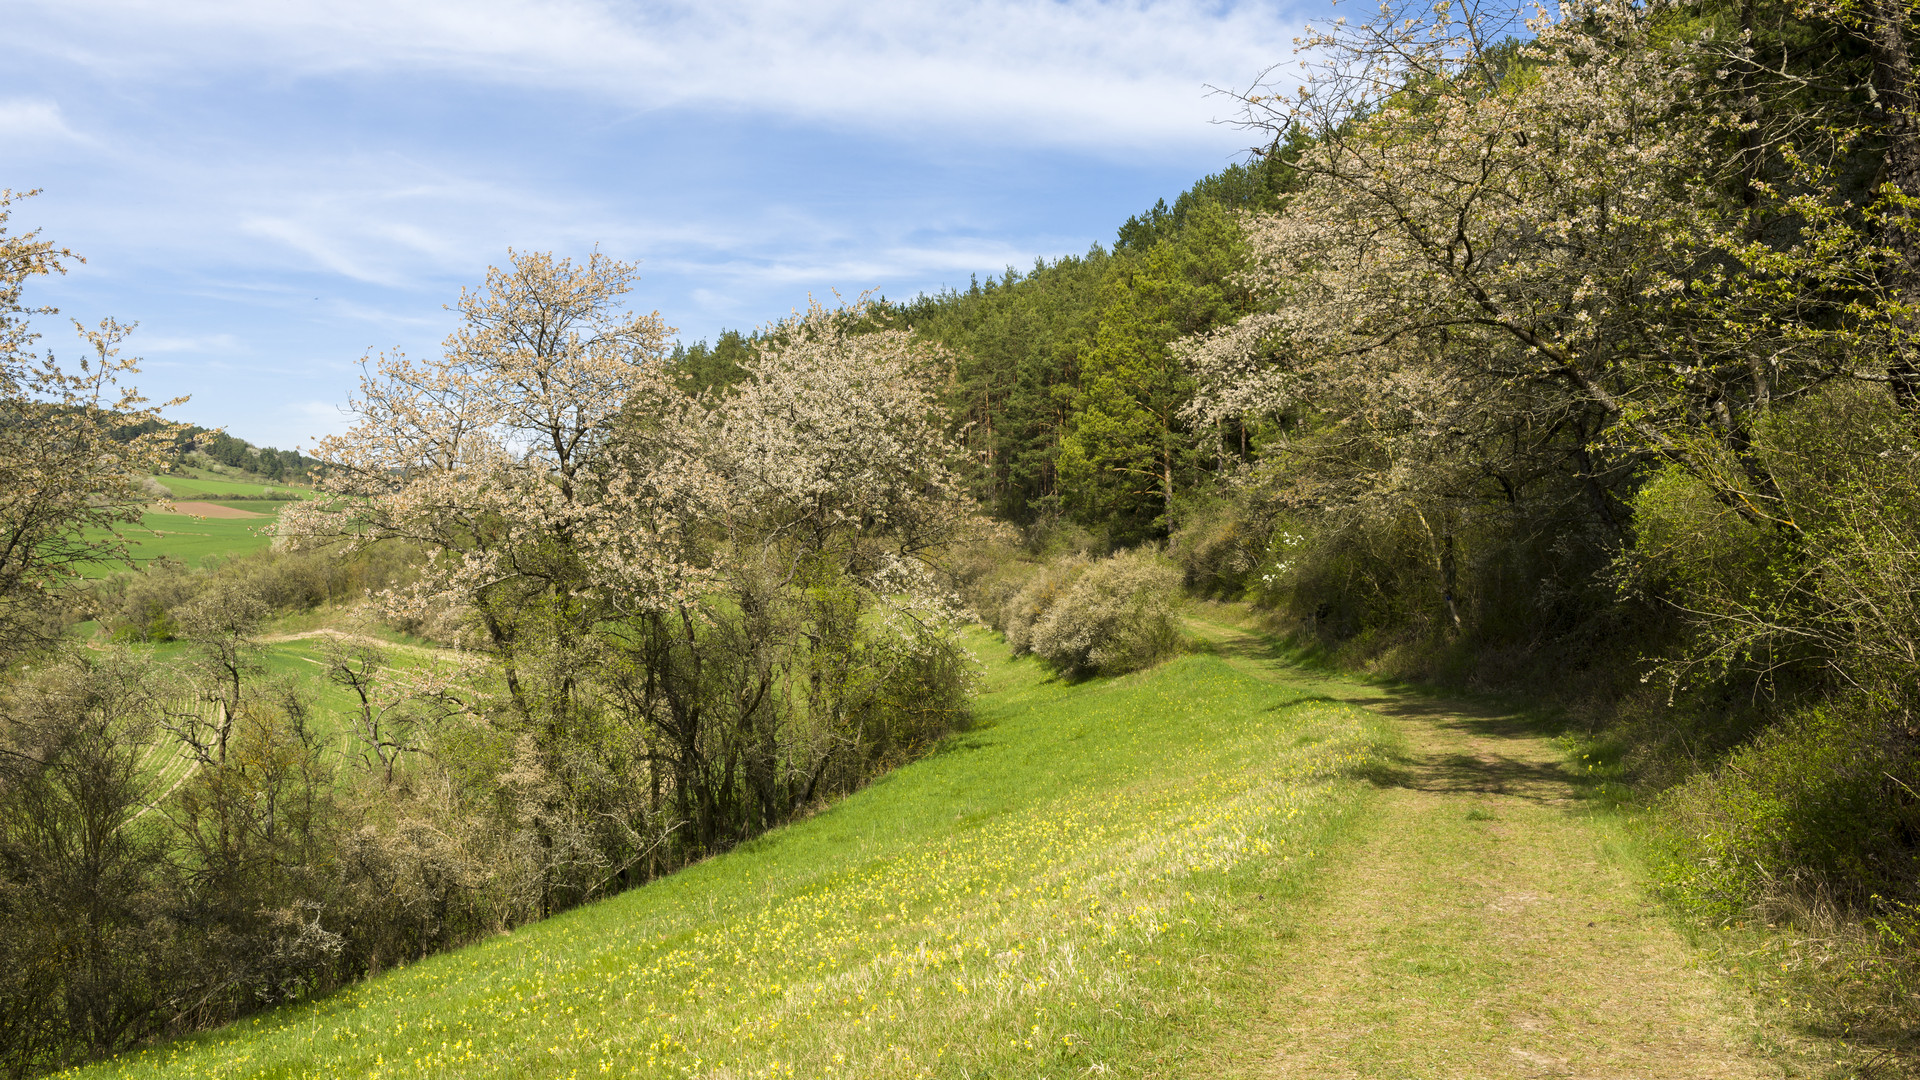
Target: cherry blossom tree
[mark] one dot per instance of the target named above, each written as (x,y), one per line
(701,606)
(829,490)
(67,482)
(1552,226)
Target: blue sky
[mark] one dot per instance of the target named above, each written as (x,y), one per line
(274,188)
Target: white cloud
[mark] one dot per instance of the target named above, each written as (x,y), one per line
(313,419)
(287,425)
(35,118)
(322,248)
(388,319)
(859,271)
(282,186)
(199,344)
(1053,72)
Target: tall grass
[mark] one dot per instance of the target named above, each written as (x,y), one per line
(1044,894)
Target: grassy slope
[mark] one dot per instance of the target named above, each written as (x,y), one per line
(1054,892)
(302,662)
(187,538)
(191,539)
(196,486)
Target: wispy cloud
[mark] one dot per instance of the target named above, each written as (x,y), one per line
(148,344)
(1083,73)
(29,119)
(841,270)
(274,189)
(306,421)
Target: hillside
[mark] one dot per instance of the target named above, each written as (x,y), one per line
(641,671)
(1222,866)
(202,513)
(1048,891)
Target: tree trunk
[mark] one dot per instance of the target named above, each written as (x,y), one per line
(1166,479)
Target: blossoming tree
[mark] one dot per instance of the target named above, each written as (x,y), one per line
(704,610)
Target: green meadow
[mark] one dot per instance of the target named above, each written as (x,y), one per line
(1053,891)
(196,485)
(300,661)
(191,538)
(187,538)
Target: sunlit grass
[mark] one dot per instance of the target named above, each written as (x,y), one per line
(191,539)
(195,487)
(186,538)
(1048,894)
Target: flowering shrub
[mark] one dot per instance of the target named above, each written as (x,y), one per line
(1276,567)
(1036,598)
(1110,617)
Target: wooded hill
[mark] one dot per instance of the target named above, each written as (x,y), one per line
(1061,384)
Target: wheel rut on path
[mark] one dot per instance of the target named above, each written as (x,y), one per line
(1476,925)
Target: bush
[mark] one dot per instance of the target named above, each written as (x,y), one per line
(1109,617)
(87,936)
(920,688)
(1043,589)
(987,573)
(1823,804)
(1220,547)
(139,607)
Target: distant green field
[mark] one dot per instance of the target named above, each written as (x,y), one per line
(188,539)
(191,539)
(193,487)
(258,506)
(1056,894)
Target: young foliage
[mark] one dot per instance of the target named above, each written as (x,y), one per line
(66,477)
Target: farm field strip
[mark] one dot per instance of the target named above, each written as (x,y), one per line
(222,510)
(170,764)
(1039,897)
(193,487)
(191,537)
(186,538)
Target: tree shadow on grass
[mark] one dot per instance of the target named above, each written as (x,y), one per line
(1304,699)
(1505,753)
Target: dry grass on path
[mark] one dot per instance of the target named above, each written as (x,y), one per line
(353,639)
(1479,928)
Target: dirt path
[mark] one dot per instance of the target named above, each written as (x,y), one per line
(1476,927)
(358,639)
